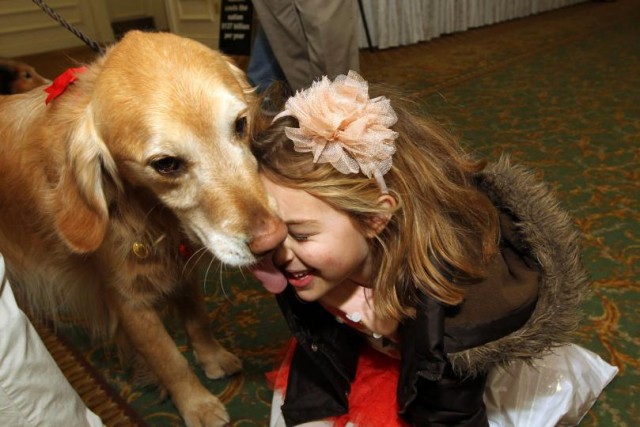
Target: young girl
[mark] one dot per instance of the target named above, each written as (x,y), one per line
(400,242)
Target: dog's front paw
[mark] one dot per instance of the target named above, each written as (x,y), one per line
(207,412)
(219,364)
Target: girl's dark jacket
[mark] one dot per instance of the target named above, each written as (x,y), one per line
(529,303)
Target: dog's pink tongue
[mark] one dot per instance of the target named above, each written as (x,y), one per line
(267,273)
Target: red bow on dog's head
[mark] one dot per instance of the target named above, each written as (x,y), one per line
(61,82)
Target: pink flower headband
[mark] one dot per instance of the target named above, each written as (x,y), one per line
(340,125)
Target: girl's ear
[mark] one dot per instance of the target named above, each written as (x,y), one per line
(378,222)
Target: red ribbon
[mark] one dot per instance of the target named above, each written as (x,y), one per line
(61,82)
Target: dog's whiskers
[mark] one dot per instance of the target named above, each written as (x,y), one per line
(146,216)
(206,276)
(199,253)
(224,292)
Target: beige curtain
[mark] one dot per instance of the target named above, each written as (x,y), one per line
(400,22)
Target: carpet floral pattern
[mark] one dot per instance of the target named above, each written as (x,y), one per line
(558,92)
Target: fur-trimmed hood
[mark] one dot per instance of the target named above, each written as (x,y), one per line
(550,237)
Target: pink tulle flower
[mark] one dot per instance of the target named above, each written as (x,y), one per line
(341,125)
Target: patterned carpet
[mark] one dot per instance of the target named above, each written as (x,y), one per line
(559,92)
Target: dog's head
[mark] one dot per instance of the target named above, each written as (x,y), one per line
(169,115)
(18,77)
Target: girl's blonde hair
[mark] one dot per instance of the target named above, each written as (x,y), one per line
(443,231)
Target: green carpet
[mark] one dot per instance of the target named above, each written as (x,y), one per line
(559,92)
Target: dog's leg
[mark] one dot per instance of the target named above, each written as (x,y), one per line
(215,360)
(147,334)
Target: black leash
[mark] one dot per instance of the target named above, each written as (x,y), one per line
(52,13)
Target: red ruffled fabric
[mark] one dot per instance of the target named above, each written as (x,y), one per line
(372,402)
(61,83)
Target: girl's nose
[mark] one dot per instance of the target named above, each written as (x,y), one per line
(283,254)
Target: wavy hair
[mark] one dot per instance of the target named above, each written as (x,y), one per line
(441,234)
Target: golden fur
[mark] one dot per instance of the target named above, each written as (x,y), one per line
(148,146)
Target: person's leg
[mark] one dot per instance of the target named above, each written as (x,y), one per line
(282,26)
(331,29)
(263,67)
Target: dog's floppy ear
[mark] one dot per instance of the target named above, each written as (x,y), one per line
(241,77)
(81,212)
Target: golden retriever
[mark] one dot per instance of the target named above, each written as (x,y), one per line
(99,188)
(18,77)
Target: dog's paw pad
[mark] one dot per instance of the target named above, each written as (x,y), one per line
(210,413)
(221,365)
(230,363)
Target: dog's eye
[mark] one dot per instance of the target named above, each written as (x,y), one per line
(167,165)
(241,126)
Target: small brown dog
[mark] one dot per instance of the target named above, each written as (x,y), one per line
(100,186)
(18,77)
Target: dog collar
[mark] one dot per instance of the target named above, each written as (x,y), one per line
(61,83)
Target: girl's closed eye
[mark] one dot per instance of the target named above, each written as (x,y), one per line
(301,231)
(299,237)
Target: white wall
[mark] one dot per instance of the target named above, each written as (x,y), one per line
(196,19)
(122,10)
(25,29)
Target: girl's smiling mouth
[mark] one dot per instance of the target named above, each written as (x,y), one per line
(299,279)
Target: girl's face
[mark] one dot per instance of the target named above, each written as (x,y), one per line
(323,248)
